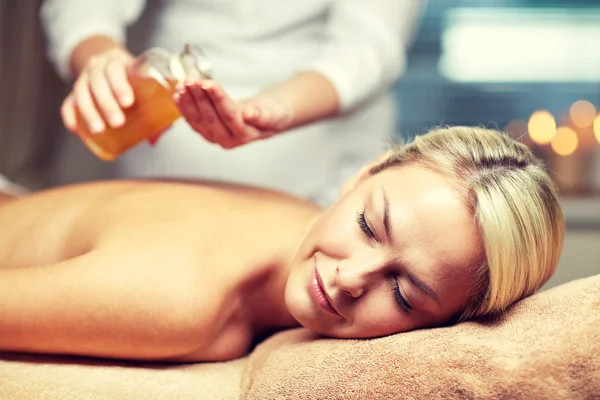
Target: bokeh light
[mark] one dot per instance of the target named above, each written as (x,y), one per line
(565,141)
(597,127)
(582,113)
(541,127)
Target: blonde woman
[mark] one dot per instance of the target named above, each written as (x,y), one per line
(461,223)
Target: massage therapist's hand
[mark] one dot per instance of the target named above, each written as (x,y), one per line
(227,122)
(101,91)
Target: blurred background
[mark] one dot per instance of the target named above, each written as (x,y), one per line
(529,67)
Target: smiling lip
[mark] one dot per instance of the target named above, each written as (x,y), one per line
(318,293)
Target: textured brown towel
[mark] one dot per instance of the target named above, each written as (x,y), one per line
(34,378)
(545,347)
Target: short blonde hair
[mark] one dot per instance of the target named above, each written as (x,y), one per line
(513,200)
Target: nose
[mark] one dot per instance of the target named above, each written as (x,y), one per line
(354,276)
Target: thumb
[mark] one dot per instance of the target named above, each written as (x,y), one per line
(258,116)
(267,115)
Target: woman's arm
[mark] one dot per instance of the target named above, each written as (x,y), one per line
(113,302)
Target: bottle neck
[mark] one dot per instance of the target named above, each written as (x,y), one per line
(169,69)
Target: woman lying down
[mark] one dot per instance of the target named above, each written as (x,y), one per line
(461,223)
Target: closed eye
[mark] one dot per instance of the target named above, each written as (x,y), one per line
(399,298)
(362,223)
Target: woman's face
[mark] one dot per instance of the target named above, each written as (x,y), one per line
(396,253)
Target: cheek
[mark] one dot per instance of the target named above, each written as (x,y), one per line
(296,292)
(335,235)
(379,317)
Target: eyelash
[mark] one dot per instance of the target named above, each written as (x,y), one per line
(362,223)
(399,298)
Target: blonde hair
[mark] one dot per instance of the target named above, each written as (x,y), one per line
(513,200)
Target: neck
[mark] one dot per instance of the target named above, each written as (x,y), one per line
(265,294)
(265,304)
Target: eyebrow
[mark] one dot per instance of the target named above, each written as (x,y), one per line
(386,215)
(388,231)
(423,286)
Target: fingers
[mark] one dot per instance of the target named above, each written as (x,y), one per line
(210,120)
(116,74)
(217,117)
(229,113)
(100,93)
(104,97)
(67,112)
(85,105)
(186,104)
(218,122)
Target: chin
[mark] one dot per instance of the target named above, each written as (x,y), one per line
(300,306)
(310,319)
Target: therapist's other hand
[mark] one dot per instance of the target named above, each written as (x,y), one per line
(101,92)
(226,122)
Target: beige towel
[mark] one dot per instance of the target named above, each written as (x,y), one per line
(545,347)
(53,378)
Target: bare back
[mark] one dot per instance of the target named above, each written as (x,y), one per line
(198,217)
(176,245)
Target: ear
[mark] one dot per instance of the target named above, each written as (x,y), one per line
(363,173)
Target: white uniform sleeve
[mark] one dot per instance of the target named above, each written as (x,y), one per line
(366,45)
(68,22)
